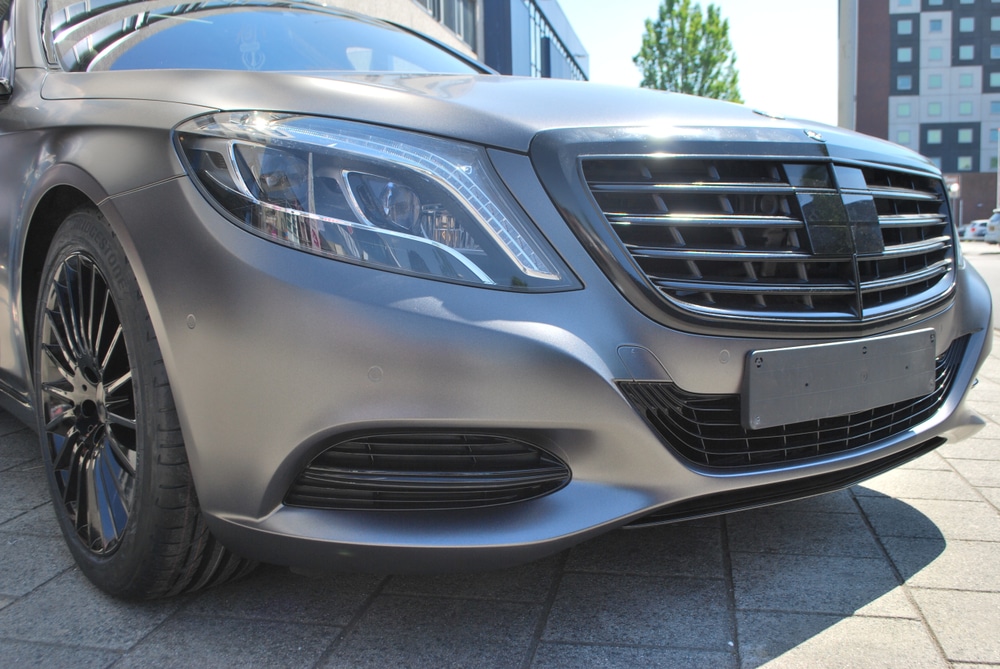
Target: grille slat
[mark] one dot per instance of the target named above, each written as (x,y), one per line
(725,255)
(701,188)
(919,277)
(910,221)
(770,240)
(707,430)
(903,194)
(933,245)
(669,220)
(775,288)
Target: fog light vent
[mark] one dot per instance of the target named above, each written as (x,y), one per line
(427,471)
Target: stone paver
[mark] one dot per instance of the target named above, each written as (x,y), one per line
(901,571)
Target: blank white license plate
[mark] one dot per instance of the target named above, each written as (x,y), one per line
(790,385)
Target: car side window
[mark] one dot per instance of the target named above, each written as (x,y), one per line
(6,47)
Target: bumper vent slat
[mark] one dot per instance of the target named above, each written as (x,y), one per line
(427,471)
(707,430)
(774,240)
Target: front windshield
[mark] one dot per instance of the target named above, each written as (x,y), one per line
(262,36)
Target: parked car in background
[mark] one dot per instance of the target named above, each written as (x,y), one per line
(976,230)
(992,235)
(282,283)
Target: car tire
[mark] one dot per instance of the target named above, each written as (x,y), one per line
(110,435)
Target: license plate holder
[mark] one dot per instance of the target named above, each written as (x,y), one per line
(791,385)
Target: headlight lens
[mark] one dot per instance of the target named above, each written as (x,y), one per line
(369,195)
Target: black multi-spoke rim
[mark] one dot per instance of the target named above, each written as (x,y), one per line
(88,401)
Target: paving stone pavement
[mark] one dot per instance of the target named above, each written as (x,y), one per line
(901,571)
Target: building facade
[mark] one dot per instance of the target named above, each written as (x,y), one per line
(927,76)
(521,37)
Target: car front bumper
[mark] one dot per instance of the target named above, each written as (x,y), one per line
(274,354)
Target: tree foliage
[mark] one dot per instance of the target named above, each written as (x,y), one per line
(687,51)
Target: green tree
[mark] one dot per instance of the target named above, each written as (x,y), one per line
(687,51)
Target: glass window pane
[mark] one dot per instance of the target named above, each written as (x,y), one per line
(935,53)
(904,27)
(934,136)
(965,135)
(966,24)
(966,52)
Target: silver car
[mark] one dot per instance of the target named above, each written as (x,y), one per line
(286,284)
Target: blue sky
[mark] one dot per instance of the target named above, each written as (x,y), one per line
(786,50)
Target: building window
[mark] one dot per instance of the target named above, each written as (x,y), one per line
(935,161)
(995,107)
(965,163)
(995,23)
(935,25)
(934,136)
(993,160)
(993,135)
(933,81)
(459,15)
(966,52)
(965,80)
(935,53)
(933,108)
(909,3)
(904,27)
(935,3)
(966,24)
(967,2)
(965,108)
(995,51)
(903,110)
(904,54)
(965,135)
(994,79)
(904,82)
(903,137)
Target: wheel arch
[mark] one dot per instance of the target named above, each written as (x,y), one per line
(64,189)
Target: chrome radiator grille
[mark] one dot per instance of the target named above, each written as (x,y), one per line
(777,239)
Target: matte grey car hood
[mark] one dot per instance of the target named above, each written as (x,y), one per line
(499,111)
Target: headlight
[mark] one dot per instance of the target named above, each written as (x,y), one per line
(369,195)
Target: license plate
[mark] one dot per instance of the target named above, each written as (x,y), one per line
(791,385)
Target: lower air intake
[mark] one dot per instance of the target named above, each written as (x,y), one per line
(707,430)
(427,471)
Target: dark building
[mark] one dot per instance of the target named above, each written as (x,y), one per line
(927,76)
(531,38)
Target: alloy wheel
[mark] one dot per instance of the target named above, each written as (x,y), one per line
(88,403)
